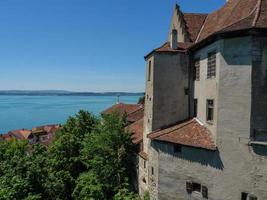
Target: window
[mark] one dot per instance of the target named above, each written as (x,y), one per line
(186,91)
(244,196)
(211,65)
(152,170)
(247,196)
(197,69)
(144,164)
(177,148)
(196,187)
(195,107)
(210,110)
(149,71)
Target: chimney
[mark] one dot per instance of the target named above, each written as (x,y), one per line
(174,43)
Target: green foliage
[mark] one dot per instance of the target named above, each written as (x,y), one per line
(88,187)
(89,159)
(146,196)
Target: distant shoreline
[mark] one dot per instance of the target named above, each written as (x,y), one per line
(67,93)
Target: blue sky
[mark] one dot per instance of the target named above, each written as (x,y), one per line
(83,45)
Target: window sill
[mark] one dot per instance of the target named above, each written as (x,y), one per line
(210,122)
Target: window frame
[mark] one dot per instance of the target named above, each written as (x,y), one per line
(208,106)
(212,64)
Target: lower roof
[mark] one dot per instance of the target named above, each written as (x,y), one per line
(189,133)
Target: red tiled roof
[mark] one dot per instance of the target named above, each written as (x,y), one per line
(167,48)
(194,22)
(136,129)
(122,108)
(190,133)
(235,15)
(20,134)
(47,128)
(143,155)
(135,116)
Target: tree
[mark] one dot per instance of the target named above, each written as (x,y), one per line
(107,153)
(88,187)
(64,161)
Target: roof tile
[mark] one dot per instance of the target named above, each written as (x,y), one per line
(190,133)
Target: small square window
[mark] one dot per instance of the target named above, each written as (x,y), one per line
(244,196)
(196,187)
(177,148)
(210,110)
(186,91)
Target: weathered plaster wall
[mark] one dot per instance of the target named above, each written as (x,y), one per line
(170,103)
(259,85)
(244,170)
(207,88)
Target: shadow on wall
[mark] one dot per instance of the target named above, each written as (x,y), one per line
(260,150)
(198,155)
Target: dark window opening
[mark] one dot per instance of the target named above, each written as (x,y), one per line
(144,164)
(211,65)
(244,196)
(152,170)
(177,148)
(195,107)
(149,71)
(144,180)
(196,187)
(197,70)
(186,91)
(210,110)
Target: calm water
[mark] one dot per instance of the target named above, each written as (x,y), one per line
(28,111)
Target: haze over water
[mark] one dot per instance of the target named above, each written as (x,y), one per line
(18,112)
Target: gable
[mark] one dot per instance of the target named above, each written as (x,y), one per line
(178,23)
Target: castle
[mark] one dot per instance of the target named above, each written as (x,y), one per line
(205,113)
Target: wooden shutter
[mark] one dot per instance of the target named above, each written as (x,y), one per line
(204,192)
(189,187)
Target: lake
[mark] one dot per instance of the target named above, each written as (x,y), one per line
(18,112)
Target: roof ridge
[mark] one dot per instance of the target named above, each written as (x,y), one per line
(257,14)
(189,13)
(202,27)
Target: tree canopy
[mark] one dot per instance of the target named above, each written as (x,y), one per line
(90,158)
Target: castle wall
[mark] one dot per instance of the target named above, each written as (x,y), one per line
(236,166)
